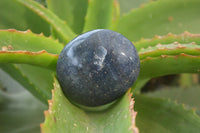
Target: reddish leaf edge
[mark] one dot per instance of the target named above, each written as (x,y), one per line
(173,56)
(178,48)
(41,58)
(133,127)
(186,37)
(28,31)
(191,64)
(25,32)
(133,114)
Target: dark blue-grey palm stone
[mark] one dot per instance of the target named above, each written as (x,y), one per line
(97,67)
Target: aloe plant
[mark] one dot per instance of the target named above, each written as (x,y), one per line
(166,34)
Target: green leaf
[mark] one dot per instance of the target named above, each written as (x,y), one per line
(170,49)
(42,2)
(39,88)
(161,17)
(71,11)
(20,112)
(115,15)
(188,96)
(161,116)
(59,25)
(184,38)
(165,55)
(15,16)
(127,5)
(16,47)
(28,41)
(41,58)
(99,15)
(139,83)
(28,76)
(169,64)
(63,116)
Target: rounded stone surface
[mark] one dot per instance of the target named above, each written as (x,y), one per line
(97,67)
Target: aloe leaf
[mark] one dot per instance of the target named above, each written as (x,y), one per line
(27,76)
(169,64)
(16,47)
(43,94)
(13,40)
(99,15)
(71,11)
(59,25)
(139,83)
(162,65)
(15,16)
(165,55)
(20,112)
(115,14)
(184,38)
(188,96)
(128,5)
(170,49)
(159,18)
(63,116)
(41,58)
(42,2)
(157,115)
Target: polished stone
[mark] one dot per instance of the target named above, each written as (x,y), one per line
(97,67)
